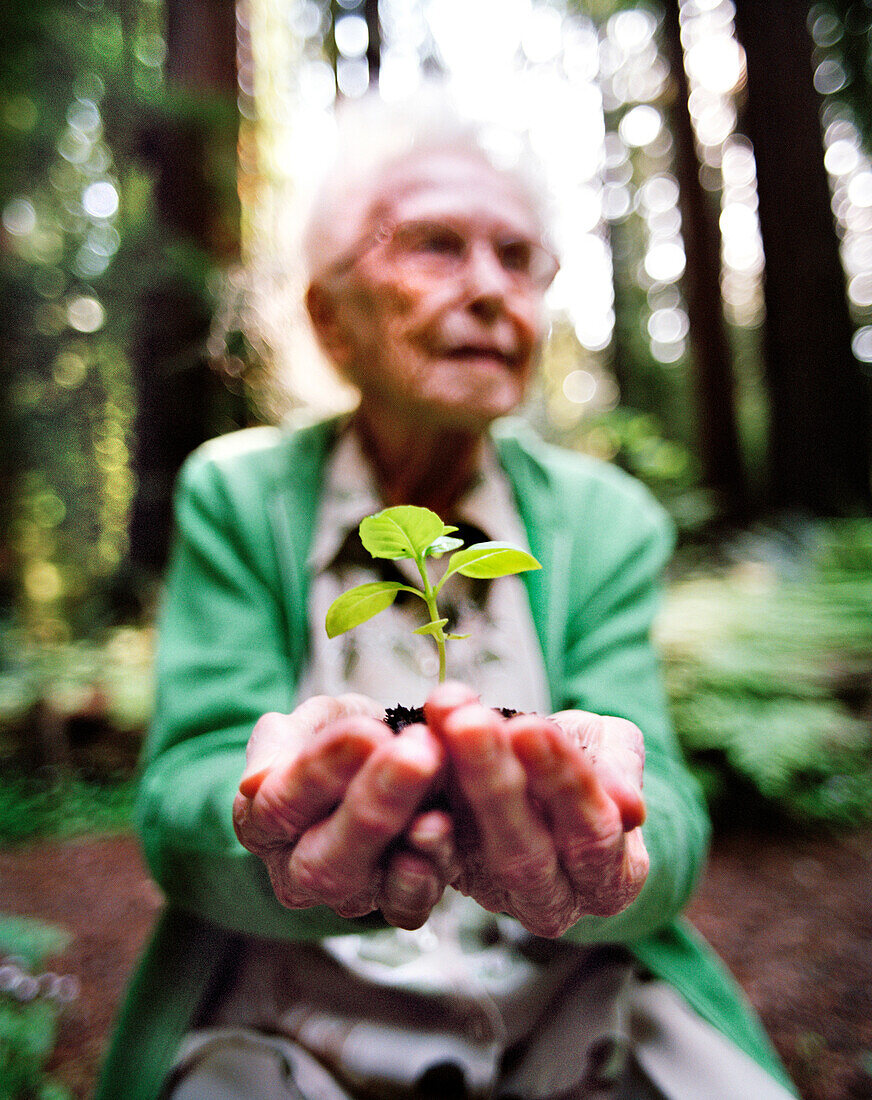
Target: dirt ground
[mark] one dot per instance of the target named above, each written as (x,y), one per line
(791,915)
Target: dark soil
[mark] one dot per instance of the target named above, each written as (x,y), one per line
(792,916)
(399,717)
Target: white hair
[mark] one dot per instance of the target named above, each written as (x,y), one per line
(373,136)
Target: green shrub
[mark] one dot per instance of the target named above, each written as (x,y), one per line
(771,679)
(34,806)
(28,1018)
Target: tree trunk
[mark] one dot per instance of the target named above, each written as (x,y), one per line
(819,400)
(201,45)
(717,432)
(180,399)
(373,52)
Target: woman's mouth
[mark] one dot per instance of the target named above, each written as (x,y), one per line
(481,352)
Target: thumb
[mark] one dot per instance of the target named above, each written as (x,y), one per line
(271,733)
(280,735)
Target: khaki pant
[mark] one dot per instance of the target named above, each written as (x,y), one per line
(241,1065)
(673,1055)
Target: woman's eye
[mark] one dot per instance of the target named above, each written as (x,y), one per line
(516,255)
(439,241)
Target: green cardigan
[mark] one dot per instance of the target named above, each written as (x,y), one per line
(233,638)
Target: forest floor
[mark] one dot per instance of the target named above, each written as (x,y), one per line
(790,913)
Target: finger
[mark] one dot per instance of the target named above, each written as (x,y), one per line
(296,894)
(431,834)
(585,821)
(626,796)
(274,734)
(618,881)
(445,698)
(616,749)
(338,857)
(633,872)
(298,793)
(270,732)
(560,775)
(410,888)
(622,767)
(518,853)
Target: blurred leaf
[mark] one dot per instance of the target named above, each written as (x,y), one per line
(773,677)
(31,939)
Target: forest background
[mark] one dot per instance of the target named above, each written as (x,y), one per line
(722,350)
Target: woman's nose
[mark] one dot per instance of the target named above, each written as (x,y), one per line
(487,280)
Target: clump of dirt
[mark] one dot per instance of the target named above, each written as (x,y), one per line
(399,717)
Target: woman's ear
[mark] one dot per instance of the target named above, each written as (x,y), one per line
(322,305)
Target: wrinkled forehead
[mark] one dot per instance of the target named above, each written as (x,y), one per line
(452,184)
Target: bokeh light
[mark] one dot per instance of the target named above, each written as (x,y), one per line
(19,217)
(529,66)
(85,314)
(850,171)
(862,344)
(100,200)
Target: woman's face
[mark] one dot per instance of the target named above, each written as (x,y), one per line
(439,316)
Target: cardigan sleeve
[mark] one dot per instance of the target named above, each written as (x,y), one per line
(222,662)
(611,667)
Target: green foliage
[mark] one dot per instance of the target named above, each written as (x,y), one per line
(360,604)
(67,423)
(110,679)
(771,679)
(28,1028)
(404,532)
(84,120)
(30,939)
(34,806)
(27,1037)
(418,534)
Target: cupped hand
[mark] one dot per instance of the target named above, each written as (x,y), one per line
(332,801)
(547,811)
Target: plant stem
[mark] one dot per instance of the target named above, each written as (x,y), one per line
(430,597)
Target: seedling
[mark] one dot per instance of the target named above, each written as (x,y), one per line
(416,533)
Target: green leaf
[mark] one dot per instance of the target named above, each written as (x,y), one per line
(441,546)
(359,604)
(401,532)
(434,628)
(53,1090)
(490,559)
(456,637)
(32,939)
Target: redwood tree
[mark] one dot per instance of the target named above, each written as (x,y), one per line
(819,399)
(717,431)
(181,400)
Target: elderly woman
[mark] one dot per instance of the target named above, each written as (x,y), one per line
(332,931)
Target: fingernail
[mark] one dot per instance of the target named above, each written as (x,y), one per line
(453,693)
(250,783)
(414,746)
(632,816)
(533,750)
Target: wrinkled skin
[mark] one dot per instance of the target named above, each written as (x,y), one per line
(546,812)
(435,361)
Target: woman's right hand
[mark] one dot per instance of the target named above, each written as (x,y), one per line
(331,801)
